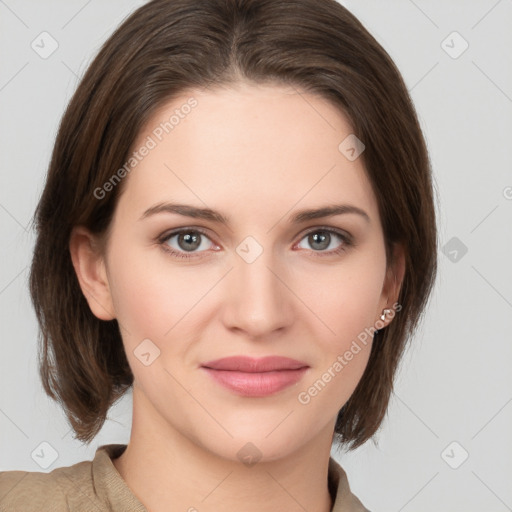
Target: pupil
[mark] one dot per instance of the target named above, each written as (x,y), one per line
(192,241)
(321,239)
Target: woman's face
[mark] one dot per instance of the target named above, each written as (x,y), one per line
(264,283)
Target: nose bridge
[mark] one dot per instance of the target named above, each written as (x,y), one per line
(258,301)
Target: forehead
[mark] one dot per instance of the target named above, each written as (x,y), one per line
(247,146)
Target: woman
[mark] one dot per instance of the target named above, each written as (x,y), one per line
(238,223)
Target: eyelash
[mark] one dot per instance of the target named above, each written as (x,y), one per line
(347,242)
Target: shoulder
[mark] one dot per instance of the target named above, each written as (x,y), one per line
(31,491)
(88,485)
(343,498)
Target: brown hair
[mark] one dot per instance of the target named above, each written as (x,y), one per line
(162,49)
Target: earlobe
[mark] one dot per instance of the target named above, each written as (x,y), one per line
(90,270)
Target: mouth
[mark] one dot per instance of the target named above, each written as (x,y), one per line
(252,377)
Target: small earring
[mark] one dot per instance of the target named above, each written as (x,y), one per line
(384,313)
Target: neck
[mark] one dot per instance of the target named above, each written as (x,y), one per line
(169,472)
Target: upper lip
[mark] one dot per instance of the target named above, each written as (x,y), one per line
(255,365)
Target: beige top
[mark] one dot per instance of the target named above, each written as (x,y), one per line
(97,486)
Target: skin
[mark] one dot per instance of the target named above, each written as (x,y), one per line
(257,154)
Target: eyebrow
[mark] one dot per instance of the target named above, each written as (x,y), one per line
(215,216)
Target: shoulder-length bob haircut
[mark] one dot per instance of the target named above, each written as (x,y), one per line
(167,47)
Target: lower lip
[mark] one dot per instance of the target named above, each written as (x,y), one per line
(256,384)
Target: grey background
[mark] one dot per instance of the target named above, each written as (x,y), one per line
(454,385)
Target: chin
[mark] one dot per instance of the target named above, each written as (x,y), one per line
(255,444)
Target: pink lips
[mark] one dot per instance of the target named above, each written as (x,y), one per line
(247,376)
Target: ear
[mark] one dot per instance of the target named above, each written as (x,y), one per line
(90,269)
(392,284)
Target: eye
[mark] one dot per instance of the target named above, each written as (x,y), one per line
(185,241)
(321,239)
(190,243)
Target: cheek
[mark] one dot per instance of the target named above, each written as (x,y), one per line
(345,298)
(155,298)
(343,341)
(147,299)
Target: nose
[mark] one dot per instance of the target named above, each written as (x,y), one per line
(257,300)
